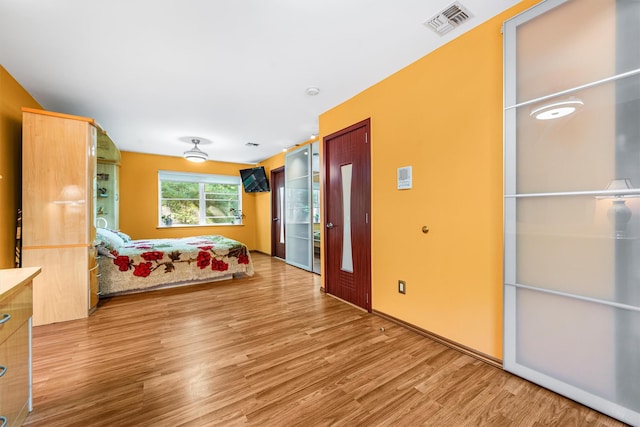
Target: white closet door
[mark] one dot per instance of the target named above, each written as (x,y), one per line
(572,211)
(298,208)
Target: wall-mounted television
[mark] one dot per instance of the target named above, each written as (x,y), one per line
(254,180)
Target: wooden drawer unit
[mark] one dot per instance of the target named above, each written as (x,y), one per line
(14,382)
(16,308)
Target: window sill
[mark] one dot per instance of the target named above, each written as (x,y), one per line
(160,227)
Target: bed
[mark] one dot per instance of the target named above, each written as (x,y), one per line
(127,265)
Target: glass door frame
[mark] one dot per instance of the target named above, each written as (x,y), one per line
(511,198)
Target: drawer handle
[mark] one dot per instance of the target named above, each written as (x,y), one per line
(3,370)
(4,421)
(5,319)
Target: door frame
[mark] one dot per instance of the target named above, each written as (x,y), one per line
(274,204)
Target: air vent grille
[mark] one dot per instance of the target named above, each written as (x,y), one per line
(451,17)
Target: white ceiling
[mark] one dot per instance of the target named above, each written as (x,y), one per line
(156,73)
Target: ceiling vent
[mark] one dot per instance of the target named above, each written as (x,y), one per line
(251,144)
(445,21)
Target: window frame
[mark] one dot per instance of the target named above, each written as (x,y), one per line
(200,179)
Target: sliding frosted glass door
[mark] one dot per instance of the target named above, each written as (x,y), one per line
(298,203)
(572,205)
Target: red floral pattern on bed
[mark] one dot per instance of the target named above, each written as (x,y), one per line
(139,265)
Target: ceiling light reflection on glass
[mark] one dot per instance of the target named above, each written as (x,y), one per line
(556,109)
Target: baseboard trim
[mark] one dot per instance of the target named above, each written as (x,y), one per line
(260,252)
(493,361)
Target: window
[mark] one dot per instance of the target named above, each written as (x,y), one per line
(198,199)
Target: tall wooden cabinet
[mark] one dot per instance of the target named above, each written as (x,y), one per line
(58,196)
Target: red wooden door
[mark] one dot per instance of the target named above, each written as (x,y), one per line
(347,214)
(278,248)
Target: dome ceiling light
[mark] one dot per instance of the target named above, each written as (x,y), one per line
(312,91)
(196,154)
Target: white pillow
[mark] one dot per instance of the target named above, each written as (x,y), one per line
(109,239)
(125,237)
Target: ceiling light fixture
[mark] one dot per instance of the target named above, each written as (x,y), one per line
(312,91)
(556,109)
(196,154)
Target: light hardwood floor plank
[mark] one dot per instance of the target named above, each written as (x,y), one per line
(269,350)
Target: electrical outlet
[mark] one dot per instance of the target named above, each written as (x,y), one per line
(402,286)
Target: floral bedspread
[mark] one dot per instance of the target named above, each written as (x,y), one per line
(145,264)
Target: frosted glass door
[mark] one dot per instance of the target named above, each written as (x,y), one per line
(315,214)
(298,208)
(572,211)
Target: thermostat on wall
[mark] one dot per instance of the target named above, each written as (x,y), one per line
(404,178)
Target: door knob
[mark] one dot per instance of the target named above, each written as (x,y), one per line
(276,219)
(329,225)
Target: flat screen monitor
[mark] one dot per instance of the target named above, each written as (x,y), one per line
(254,180)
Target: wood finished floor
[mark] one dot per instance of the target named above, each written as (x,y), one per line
(271,350)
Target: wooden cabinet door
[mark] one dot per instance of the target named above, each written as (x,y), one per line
(57,180)
(60,293)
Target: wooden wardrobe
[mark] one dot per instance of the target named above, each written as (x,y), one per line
(58,226)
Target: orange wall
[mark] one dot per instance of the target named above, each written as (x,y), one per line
(139,198)
(13,97)
(442,115)
(263,207)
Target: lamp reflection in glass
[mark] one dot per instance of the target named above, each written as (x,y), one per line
(70,195)
(619,213)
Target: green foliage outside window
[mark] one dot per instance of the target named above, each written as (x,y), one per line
(220,199)
(193,203)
